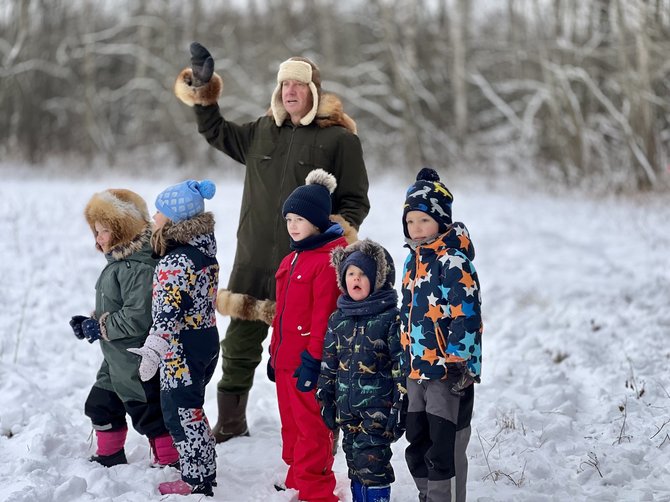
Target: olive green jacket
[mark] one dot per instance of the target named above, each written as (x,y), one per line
(123,308)
(277,161)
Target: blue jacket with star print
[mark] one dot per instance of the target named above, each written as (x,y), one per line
(441,306)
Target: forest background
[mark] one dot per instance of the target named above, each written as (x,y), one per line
(551,92)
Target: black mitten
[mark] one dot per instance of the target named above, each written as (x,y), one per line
(271,371)
(75,324)
(328,410)
(458,378)
(202,64)
(308,372)
(396,424)
(91,330)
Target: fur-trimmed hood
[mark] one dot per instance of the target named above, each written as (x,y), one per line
(197,231)
(125,213)
(385,277)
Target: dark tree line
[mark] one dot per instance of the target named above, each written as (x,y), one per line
(574,91)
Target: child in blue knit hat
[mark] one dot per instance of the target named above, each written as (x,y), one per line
(361,387)
(184,341)
(306,296)
(441,329)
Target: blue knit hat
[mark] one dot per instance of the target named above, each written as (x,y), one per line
(185,200)
(312,200)
(429,195)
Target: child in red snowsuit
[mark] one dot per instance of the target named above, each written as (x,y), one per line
(307,294)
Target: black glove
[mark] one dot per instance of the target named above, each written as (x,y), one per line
(307,372)
(271,371)
(202,64)
(91,329)
(75,324)
(397,421)
(328,410)
(458,378)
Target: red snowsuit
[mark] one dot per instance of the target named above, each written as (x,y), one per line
(306,297)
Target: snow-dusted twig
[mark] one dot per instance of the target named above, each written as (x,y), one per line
(593,462)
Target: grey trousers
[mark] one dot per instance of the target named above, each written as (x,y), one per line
(438,431)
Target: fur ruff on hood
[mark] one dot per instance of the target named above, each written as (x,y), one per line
(183,232)
(329,112)
(125,213)
(374,251)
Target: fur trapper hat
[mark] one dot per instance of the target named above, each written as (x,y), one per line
(305,71)
(124,212)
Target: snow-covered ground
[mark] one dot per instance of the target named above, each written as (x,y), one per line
(575,398)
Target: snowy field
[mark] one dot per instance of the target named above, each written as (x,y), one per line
(575,396)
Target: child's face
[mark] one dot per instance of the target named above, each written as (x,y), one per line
(358,284)
(103,237)
(299,228)
(420,225)
(160,220)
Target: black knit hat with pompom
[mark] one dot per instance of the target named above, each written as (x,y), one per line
(429,195)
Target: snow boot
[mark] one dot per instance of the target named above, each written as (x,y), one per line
(110,450)
(181,487)
(232,420)
(165,454)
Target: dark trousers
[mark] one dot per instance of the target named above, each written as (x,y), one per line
(108,412)
(368,455)
(184,377)
(241,353)
(438,432)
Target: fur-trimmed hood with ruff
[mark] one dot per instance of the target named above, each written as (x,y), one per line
(385,276)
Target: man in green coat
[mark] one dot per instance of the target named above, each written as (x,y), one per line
(303,130)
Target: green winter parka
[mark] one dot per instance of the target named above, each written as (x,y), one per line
(277,161)
(123,308)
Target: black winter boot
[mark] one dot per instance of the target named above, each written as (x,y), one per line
(117,458)
(232,416)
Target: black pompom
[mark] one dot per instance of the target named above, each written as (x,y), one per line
(427,174)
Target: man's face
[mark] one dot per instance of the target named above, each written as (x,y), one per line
(297,99)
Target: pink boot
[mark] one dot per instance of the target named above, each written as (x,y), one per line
(164,451)
(181,487)
(110,450)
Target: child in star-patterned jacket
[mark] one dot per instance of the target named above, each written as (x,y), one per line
(361,387)
(184,341)
(440,330)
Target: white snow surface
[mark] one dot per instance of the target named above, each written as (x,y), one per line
(574,402)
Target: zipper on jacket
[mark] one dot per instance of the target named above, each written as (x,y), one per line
(358,335)
(280,324)
(411,306)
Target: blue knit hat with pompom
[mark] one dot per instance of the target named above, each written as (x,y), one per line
(185,200)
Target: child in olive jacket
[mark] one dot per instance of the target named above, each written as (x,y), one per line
(441,329)
(361,386)
(120,222)
(306,296)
